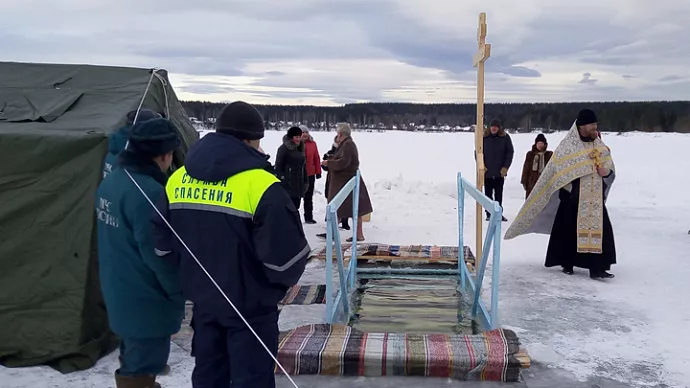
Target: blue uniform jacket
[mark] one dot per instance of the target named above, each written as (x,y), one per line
(140,289)
(254,260)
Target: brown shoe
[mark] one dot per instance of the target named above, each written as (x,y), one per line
(136,381)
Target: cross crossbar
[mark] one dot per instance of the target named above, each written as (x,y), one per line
(482,54)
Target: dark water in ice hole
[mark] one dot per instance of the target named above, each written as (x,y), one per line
(429,305)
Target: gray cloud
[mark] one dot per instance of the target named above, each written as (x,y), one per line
(324,86)
(587,79)
(227,38)
(520,71)
(215,88)
(420,45)
(671,78)
(205,89)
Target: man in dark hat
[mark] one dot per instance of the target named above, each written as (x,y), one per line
(498,156)
(145,305)
(569,203)
(238,220)
(118,139)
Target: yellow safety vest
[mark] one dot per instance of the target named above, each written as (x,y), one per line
(238,195)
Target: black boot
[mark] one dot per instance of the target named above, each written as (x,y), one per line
(568,270)
(136,382)
(601,275)
(345,224)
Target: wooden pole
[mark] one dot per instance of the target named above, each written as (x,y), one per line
(483,53)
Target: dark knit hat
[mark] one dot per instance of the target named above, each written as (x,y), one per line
(540,138)
(153,137)
(144,114)
(495,123)
(241,120)
(586,116)
(294,131)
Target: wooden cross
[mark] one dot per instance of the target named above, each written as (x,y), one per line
(483,53)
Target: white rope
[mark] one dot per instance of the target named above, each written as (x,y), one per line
(165,93)
(212,280)
(141,103)
(146,92)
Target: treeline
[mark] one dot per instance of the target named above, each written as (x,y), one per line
(653,116)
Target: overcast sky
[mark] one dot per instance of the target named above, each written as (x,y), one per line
(341,51)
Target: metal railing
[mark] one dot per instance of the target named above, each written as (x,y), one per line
(347,277)
(338,304)
(488,319)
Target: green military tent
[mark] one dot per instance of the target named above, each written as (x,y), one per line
(54,126)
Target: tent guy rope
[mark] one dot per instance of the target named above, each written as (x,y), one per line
(211,278)
(154,73)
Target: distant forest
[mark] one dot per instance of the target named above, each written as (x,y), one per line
(653,116)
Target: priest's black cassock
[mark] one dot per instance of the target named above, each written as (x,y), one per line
(562,250)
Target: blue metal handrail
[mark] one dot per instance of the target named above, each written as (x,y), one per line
(489,318)
(346,278)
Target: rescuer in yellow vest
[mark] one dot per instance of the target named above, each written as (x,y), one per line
(234,214)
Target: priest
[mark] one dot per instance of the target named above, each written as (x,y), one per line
(569,203)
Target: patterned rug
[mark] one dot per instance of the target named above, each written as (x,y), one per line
(341,350)
(305,294)
(374,251)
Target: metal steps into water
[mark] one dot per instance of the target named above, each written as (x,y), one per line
(403,323)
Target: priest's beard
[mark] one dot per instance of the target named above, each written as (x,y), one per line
(588,134)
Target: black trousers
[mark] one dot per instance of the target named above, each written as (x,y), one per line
(309,200)
(493,188)
(226,351)
(343,221)
(296,201)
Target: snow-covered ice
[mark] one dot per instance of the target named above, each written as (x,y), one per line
(627,332)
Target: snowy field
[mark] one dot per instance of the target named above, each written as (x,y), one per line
(627,332)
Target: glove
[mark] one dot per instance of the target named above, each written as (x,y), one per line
(504,172)
(318,176)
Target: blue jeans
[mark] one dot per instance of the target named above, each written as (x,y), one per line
(143,356)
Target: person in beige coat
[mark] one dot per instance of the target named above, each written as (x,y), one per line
(343,166)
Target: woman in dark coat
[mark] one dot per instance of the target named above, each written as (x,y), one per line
(344,222)
(535,161)
(291,166)
(343,166)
